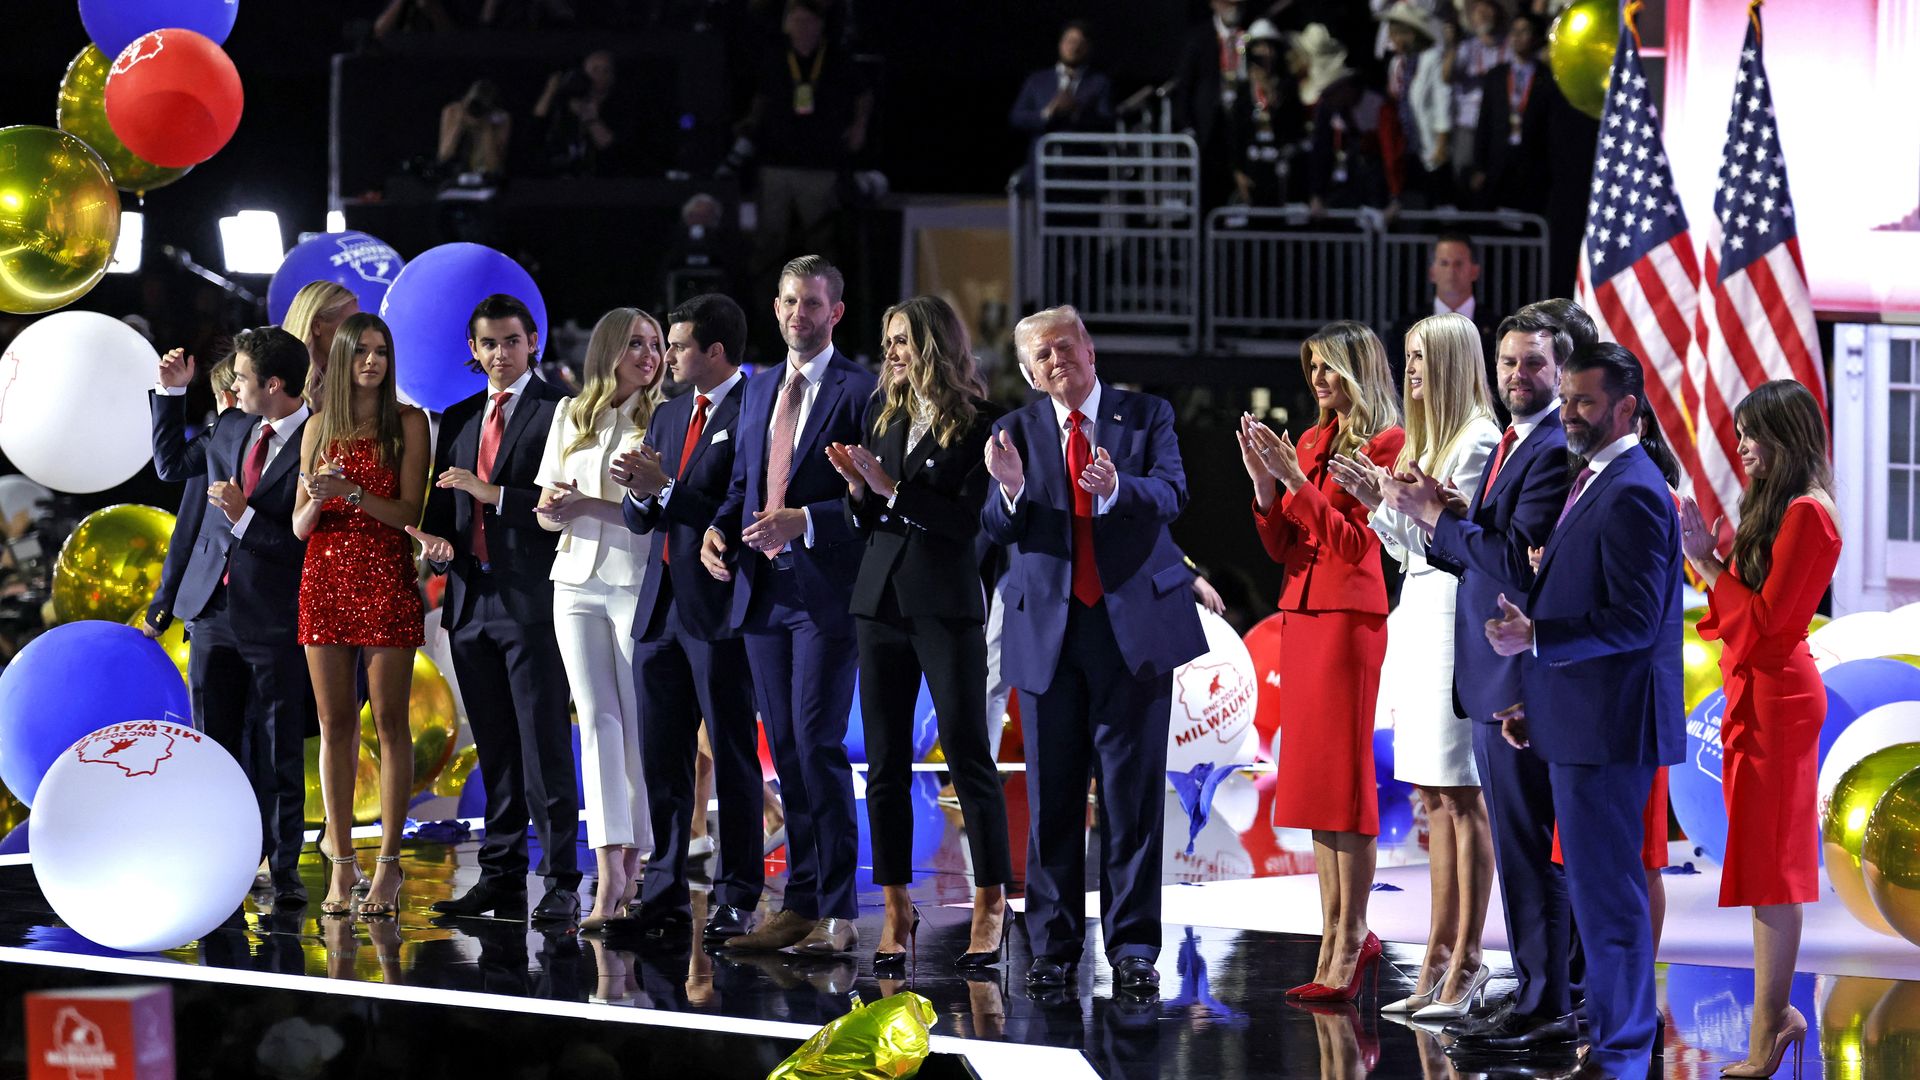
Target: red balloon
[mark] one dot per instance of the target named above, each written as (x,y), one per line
(173,97)
(1263,643)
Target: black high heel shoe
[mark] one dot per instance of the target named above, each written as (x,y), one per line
(895,963)
(980,961)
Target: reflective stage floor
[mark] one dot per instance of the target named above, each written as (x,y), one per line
(292,994)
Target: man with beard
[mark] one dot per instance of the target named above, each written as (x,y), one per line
(781,537)
(1515,509)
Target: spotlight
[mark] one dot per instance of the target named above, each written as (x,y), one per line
(250,242)
(336,221)
(126,250)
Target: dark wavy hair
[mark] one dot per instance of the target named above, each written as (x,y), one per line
(1782,416)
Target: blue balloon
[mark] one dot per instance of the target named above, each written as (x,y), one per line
(15,842)
(74,680)
(1858,687)
(1694,785)
(1395,796)
(926,726)
(364,264)
(930,831)
(115,24)
(428,307)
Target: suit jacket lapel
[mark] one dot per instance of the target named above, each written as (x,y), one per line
(823,402)
(284,460)
(720,419)
(899,459)
(523,411)
(1109,428)
(1588,498)
(1048,458)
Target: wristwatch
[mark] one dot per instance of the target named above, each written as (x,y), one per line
(353,497)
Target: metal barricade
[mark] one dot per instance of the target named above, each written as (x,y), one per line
(1114,230)
(1276,274)
(1511,248)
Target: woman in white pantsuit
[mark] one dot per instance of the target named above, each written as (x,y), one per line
(1451,435)
(596,574)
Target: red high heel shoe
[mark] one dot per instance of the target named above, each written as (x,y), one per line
(1370,951)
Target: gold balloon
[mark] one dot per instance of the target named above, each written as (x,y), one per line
(1580,47)
(1817,622)
(1849,1000)
(430,719)
(1890,856)
(59,219)
(82,113)
(110,565)
(1843,824)
(366,787)
(1701,659)
(453,779)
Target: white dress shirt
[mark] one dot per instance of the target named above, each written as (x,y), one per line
(283,429)
(1523,426)
(1465,310)
(670,464)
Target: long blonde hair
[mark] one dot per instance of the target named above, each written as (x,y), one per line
(339,425)
(1453,389)
(1353,352)
(609,340)
(942,372)
(315,299)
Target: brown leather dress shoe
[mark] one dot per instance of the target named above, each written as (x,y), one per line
(777,933)
(828,937)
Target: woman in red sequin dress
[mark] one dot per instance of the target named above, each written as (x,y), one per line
(1760,600)
(363,476)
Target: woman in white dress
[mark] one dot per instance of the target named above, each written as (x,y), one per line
(597,569)
(1451,435)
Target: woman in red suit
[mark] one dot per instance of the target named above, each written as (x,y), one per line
(1760,601)
(1334,632)
(363,475)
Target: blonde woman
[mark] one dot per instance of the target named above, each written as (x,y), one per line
(315,314)
(1451,435)
(597,568)
(1333,607)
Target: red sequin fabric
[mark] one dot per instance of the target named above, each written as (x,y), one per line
(359,586)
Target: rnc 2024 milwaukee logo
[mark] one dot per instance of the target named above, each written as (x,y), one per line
(79,1046)
(136,749)
(1213,695)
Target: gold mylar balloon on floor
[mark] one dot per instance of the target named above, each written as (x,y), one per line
(366,786)
(83,113)
(1890,856)
(59,219)
(431,719)
(1843,824)
(1580,47)
(1701,661)
(110,565)
(453,779)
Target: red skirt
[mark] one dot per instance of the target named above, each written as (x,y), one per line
(1329,681)
(1770,736)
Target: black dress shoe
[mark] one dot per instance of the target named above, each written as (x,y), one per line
(726,921)
(561,904)
(1480,1020)
(1047,973)
(1524,1035)
(1136,975)
(486,897)
(290,896)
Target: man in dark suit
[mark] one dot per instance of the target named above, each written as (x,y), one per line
(1514,510)
(1069,96)
(1601,700)
(1098,616)
(1510,143)
(240,588)
(1212,75)
(783,539)
(498,610)
(690,663)
(1452,270)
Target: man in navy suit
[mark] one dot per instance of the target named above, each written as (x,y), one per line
(1069,96)
(1099,614)
(1514,510)
(1601,628)
(783,540)
(240,588)
(689,663)
(498,610)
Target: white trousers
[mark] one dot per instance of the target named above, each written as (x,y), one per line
(594,622)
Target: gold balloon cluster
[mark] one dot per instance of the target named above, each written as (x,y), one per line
(366,786)
(1843,825)
(59,219)
(1580,47)
(1890,856)
(83,113)
(1701,661)
(110,565)
(430,718)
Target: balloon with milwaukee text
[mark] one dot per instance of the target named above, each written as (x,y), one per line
(366,265)
(174,98)
(1215,696)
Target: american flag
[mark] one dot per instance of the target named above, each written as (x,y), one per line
(1638,276)
(1756,316)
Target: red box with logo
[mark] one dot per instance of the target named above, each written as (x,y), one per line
(118,1033)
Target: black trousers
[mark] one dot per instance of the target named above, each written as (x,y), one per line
(680,679)
(515,690)
(952,653)
(255,699)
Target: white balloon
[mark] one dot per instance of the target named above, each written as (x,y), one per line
(145,836)
(1875,729)
(73,401)
(1214,698)
(1903,631)
(19,493)
(1859,636)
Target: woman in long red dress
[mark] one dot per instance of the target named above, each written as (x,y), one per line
(1760,601)
(363,467)
(1334,632)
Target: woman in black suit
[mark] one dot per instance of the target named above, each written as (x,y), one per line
(915,486)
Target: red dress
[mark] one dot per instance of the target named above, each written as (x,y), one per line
(359,585)
(1333,638)
(1770,731)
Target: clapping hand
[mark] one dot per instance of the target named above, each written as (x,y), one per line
(1415,494)
(325,481)
(867,472)
(639,471)
(1512,633)
(1101,476)
(1275,453)
(1360,476)
(1696,539)
(562,503)
(1003,464)
(230,497)
(434,548)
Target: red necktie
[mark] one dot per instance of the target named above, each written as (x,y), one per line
(490,436)
(695,428)
(1500,457)
(256,461)
(1086,574)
